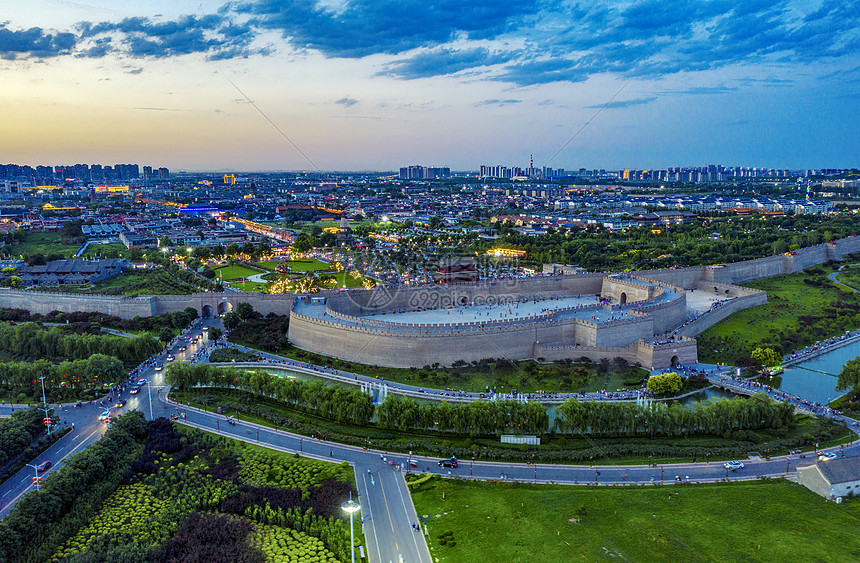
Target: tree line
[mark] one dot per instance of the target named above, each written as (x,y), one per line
(36,341)
(18,431)
(44,519)
(473,418)
(63,381)
(657,419)
(339,402)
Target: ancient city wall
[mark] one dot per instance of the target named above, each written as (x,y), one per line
(710,318)
(417,348)
(44,302)
(627,291)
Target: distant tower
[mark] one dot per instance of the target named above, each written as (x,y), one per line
(344,236)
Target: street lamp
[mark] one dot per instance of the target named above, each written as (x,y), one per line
(45,402)
(36,479)
(351,507)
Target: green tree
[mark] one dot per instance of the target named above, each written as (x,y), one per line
(849,377)
(767,357)
(665,383)
(245,310)
(214,333)
(165,334)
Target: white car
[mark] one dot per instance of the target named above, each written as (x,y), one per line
(159,368)
(827,456)
(733,465)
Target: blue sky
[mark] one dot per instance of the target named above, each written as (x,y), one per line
(377,84)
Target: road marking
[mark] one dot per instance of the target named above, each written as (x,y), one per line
(375,539)
(385,499)
(408,516)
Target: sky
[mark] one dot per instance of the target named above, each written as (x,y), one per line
(254,85)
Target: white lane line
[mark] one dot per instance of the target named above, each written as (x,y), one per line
(400,484)
(372,524)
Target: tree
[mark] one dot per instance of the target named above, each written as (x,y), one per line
(245,310)
(214,333)
(849,377)
(302,244)
(767,357)
(232,320)
(665,383)
(165,334)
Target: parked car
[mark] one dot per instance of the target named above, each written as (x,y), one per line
(733,465)
(827,456)
(44,465)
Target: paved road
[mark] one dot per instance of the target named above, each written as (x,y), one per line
(387,510)
(87,427)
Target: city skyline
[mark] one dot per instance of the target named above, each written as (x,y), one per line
(371,86)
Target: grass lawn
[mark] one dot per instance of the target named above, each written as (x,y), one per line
(850,276)
(526,376)
(142,282)
(797,314)
(101,249)
(310,265)
(250,287)
(749,521)
(235,272)
(41,243)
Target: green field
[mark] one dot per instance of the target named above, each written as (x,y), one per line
(801,309)
(142,282)
(306,265)
(749,521)
(94,250)
(41,243)
(250,287)
(235,272)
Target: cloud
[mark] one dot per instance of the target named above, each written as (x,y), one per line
(213,34)
(703,90)
(134,71)
(346,102)
(369,27)
(625,103)
(34,42)
(444,61)
(496,102)
(523,42)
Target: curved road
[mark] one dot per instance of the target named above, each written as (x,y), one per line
(387,508)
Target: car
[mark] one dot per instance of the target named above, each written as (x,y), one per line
(733,465)
(182,348)
(827,456)
(170,357)
(44,465)
(448,462)
(119,404)
(104,417)
(135,390)
(141,382)
(159,368)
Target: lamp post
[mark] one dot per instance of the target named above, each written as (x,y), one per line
(351,507)
(45,408)
(36,479)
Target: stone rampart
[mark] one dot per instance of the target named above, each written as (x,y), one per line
(726,308)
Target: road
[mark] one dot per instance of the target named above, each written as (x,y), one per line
(387,510)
